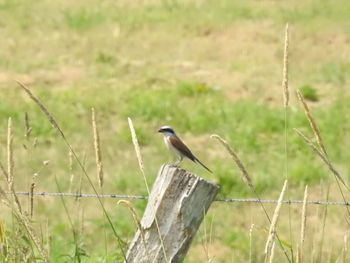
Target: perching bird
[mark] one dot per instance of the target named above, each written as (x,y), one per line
(177,147)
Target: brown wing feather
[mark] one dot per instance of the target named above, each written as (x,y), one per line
(178,144)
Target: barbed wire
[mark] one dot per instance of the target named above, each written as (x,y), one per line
(144,197)
(83,195)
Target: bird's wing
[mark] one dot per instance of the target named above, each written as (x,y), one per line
(181,147)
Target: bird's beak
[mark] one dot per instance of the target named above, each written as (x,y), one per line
(160,130)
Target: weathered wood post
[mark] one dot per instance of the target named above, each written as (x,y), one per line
(175,210)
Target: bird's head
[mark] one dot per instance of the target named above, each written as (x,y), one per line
(166,130)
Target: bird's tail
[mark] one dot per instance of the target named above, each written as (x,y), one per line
(199,162)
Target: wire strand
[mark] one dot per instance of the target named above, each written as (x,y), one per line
(144,197)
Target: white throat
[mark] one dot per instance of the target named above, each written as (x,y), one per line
(168,134)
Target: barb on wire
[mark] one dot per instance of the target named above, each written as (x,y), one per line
(144,197)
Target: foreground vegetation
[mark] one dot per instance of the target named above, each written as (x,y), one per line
(203,67)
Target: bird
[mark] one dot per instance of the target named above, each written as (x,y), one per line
(177,147)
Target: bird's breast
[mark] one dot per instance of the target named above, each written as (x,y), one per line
(167,142)
(170,146)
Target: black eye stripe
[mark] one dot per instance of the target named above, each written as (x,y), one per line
(167,130)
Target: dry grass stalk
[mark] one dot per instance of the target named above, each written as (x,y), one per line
(303,225)
(272,252)
(140,161)
(25,222)
(9,155)
(137,221)
(97,147)
(285,68)
(286,96)
(12,189)
(251,243)
(236,159)
(57,127)
(320,255)
(207,240)
(31,196)
(303,218)
(42,107)
(28,227)
(248,180)
(70,158)
(3,242)
(345,248)
(27,128)
(10,164)
(324,158)
(312,122)
(211,232)
(138,151)
(272,231)
(47,237)
(2,232)
(298,256)
(35,142)
(81,226)
(3,170)
(321,155)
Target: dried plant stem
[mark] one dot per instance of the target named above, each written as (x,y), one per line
(211,232)
(140,161)
(35,142)
(345,248)
(207,241)
(303,225)
(321,155)
(272,252)
(136,219)
(57,127)
(25,222)
(238,162)
(47,238)
(10,164)
(70,158)
(285,68)
(330,166)
(312,123)
(31,196)
(9,155)
(248,180)
(272,231)
(138,152)
(73,228)
(43,109)
(27,128)
(3,242)
(303,218)
(285,88)
(97,147)
(324,219)
(298,256)
(251,243)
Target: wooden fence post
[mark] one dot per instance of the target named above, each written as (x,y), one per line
(177,204)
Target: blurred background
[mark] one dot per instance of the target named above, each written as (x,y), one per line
(202,66)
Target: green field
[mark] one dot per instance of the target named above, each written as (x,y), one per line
(202,66)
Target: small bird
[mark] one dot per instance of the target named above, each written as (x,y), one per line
(177,147)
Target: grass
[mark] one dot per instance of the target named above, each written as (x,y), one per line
(309,93)
(203,67)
